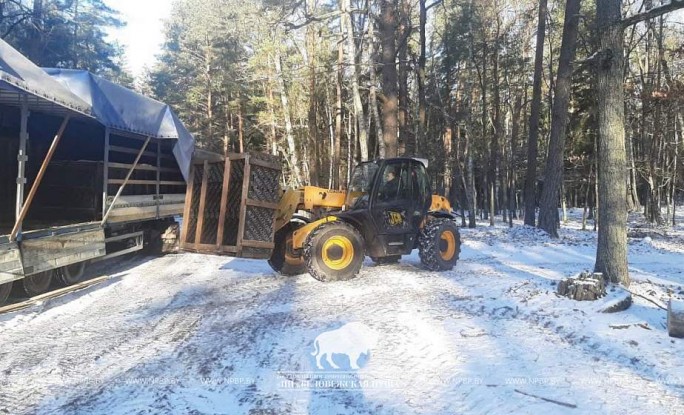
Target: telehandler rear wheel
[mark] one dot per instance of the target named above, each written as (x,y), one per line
(283,258)
(439,244)
(334,251)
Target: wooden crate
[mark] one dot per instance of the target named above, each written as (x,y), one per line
(230,206)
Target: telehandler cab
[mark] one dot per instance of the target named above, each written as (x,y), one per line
(387,211)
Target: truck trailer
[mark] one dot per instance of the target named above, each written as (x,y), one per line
(88,170)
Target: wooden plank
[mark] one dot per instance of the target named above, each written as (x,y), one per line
(39,178)
(258,244)
(266,164)
(128,214)
(228,249)
(188,203)
(128,150)
(202,204)
(50,252)
(128,176)
(10,262)
(259,203)
(146,167)
(238,156)
(149,200)
(54,294)
(147,182)
(224,203)
(243,205)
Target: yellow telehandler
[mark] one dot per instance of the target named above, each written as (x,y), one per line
(387,211)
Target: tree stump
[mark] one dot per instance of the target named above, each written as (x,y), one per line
(586,287)
(675,319)
(170,238)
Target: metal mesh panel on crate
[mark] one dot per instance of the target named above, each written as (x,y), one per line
(232,221)
(257,253)
(263,184)
(259,224)
(194,203)
(212,204)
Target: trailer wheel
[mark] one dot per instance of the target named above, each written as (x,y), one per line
(71,274)
(5,290)
(392,259)
(334,251)
(38,283)
(439,245)
(283,258)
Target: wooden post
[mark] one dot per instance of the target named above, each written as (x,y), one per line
(39,178)
(128,176)
(22,158)
(105,172)
(243,205)
(186,208)
(202,203)
(224,203)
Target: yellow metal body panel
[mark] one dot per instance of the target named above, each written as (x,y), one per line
(320,197)
(287,206)
(299,236)
(440,203)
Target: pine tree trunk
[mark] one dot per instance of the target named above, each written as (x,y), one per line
(292,148)
(312,119)
(406,138)
(338,174)
(372,93)
(353,62)
(532,142)
(422,104)
(611,252)
(390,104)
(553,172)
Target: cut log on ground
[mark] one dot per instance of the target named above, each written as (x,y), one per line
(618,299)
(586,287)
(675,319)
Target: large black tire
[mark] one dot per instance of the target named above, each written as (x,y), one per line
(439,244)
(385,260)
(334,251)
(5,290)
(283,258)
(71,274)
(37,284)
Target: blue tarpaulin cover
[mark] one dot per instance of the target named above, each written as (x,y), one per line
(122,109)
(19,75)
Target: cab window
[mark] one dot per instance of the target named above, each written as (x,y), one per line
(395,183)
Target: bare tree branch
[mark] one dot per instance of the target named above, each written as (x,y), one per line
(654,12)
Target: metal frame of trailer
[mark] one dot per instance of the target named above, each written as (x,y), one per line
(118,221)
(24,253)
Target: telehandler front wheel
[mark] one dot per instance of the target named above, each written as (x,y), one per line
(283,258)
(439,244)
(334,251)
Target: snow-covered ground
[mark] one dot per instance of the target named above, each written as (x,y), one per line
(200,334)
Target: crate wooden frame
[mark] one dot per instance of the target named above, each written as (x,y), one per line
(218,247)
